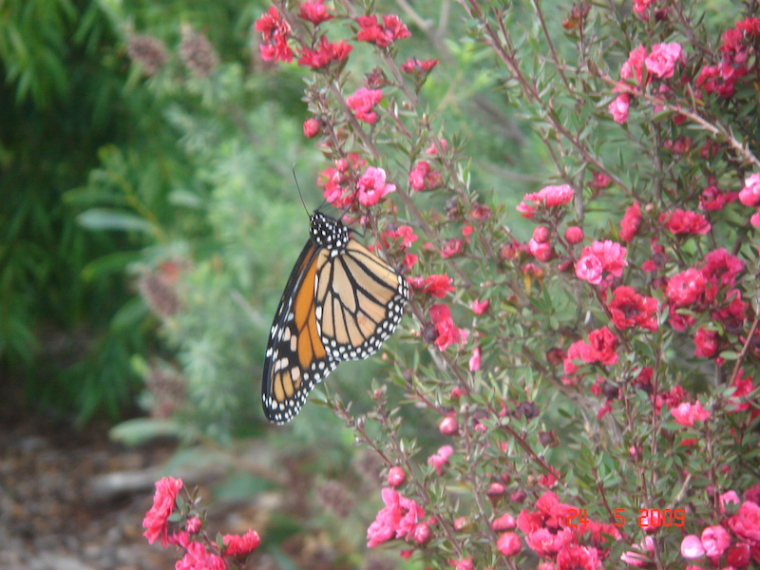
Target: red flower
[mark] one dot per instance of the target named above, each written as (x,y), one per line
(599,180)
(685,288)
(435,285)
(547,544)
(315,12)
(628,309)
(197,558)
(685,222)
(241,545)
(275,33)
(452,247)
(448,333)
(156,520)
(414,65)
(601,348)
(362,102)
(325,54)
(384,34)
(629,225)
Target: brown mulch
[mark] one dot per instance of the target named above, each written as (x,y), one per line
(47,518)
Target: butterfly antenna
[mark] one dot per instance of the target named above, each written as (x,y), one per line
(299,191)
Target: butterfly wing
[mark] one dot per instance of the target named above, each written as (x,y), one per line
(295,359)
(359,303)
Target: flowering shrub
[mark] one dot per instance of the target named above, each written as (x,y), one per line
(593,385)
(197,551)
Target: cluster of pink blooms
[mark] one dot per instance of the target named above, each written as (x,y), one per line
(738,45)
(400,518)
(370,187)
(423,176)
(735,541)
(599,258)
(546,198)
(275,34)
(660,63)
(188,537)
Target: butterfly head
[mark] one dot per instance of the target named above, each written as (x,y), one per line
(329,233)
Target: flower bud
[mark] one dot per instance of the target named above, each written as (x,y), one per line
(691,547)
(508,544)
(541,234)
(448,426)
(311,128)
(503,523)
(396,476)
(193,525)
(573,235)
(421,533)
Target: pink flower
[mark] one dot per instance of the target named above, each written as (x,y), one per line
(431,150)
(750,194)
(475,360)
(629,225)
(589,268)
(578,558)
(372,187)
(691,547)
(619,108)
(421,533)
(422,177)
(452,248)
(548,197)
(241,545)
(545,543)
(361,103)
(479,307)
(397,519)
(197,558)
(414,65)
(661,62)
(728,498)
(325,54)
(715,540)
(685,222)
(464,564)
(686,414)
(441,457)
(396,476)
(634,67)
(541,251)
(315,12)
(640,6)
(508,544)
(685,288)
(574,235)
(311,128)
(639,555)
(448,333)
(746,522)
(156,520)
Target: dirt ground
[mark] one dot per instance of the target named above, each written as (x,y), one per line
(49,516)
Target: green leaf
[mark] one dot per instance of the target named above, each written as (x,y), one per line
(108,219)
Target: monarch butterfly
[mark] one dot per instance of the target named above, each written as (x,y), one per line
(341,302)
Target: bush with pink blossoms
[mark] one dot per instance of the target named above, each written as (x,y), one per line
(589,351)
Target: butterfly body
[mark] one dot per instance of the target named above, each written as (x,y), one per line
(341,302)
